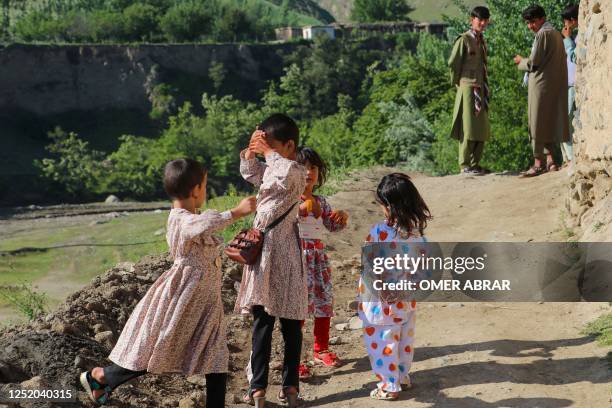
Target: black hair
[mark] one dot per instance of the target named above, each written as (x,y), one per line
(533,12)
(306,154)
(481,12)
(281,127)
(570,12)
(181,176)
(407,209)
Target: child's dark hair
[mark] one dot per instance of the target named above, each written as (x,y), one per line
(282,128)
(533,12)
(181,176)
(570,12)
(407,209)
(481,12)
(306,154)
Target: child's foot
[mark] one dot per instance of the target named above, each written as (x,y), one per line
(381,395)
(256,398)
(288,396)
(97,392)
(304,372)
(327,358)
(406,384)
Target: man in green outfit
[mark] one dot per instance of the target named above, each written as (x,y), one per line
(468,66)
(546,70)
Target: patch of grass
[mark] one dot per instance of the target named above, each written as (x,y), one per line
(602,330)
(25,299)
(566,231)
(598,226)
(335,178)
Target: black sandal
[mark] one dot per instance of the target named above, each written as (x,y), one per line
(90,384)
(533,172)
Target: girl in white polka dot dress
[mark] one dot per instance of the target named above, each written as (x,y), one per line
(389,326)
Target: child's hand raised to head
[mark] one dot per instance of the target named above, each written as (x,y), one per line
(251,153)
(339,217)
(245,207)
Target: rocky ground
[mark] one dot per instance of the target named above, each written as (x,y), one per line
(467,354)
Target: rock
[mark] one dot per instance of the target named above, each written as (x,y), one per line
(339,319)
(159,232)
(455,305)
(355,323)
(95,307)
(187,403)
(100,327)
(34,383)
(97,222)
(197,380)
(335,340)
(106,338)
(63,328)
(158,211)
(112,199)
(352,305)
(341,326)
(113,214)
(125,266)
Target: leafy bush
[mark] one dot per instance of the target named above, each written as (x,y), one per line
(25,299)
(73,165)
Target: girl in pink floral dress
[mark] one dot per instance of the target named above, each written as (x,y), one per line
(317,217)
(275,286)
(178,327)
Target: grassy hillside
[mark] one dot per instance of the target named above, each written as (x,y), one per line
(425,10)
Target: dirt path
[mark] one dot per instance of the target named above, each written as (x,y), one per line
(473,354)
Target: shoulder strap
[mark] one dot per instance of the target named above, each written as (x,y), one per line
(278,220)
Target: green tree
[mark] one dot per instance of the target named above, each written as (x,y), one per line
(187,21)
(380,10)
(73,165)
(217,74)
(234,25)
(141,22)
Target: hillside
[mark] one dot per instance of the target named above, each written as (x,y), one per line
(425,10)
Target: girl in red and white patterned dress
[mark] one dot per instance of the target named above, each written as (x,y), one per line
(316,219)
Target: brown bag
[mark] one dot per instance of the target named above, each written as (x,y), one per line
(246,246)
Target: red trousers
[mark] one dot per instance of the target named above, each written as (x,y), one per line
(321,333)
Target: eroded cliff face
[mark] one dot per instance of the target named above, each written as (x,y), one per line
(47,79)
(590,201)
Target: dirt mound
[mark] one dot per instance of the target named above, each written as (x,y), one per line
(51,351)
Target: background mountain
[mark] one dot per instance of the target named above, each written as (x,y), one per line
(425,10)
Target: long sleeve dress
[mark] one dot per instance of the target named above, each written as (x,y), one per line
(278,280)
(320,292)
(177,327)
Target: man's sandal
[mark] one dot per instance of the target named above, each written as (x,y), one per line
(533,172)
(551,167)
(257,402)
(381,395)
(90,385)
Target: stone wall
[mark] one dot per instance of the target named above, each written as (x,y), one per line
(590,201)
